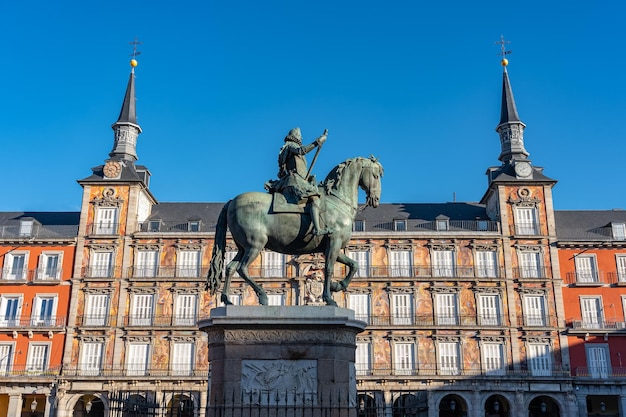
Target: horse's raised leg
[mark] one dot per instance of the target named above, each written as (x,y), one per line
(230,271)
(352,268)
(250,254)
(331,253)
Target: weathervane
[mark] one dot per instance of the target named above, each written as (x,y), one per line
(503,51)
(135,54)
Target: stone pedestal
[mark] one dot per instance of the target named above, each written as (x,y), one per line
(271,355)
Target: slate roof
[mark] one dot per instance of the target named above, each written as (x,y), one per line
(587,225)
(47,225)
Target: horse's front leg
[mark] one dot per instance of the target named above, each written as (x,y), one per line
(352,268)
(331,253)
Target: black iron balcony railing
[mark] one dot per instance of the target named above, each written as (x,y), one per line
(7,322)
(595,324)
(587,278)
(487,320)
(527,229)
(160,321)
(28,370)
(531,272)
(600,372)
(401,271)
(103,229)
(32,275)
(103,271)
(96,320)
(137,370)
(446,370)
(37,231)
(184,226)
(411,225)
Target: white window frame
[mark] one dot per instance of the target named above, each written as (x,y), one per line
(142,310)
(449,358)
(620,262)
(182,358)
(404,358)
(358,226)
(363,357)
(50,272)
(7,351)
(530,264)
(535,310)
(486,264)
(598,362)
(44,311)
(26,227)
(526,221)
(106,220)
(14,269)
(540,359)
(188,264)
(362,258)
(444,263)
(137,359)
(489,310)
(619,231)
(193,226)
(96,309)
(447,309)
(400,262)
(91,358)
(586,268)
(399,225)
(275,299)
(185,310)
(360,303)
(493,355)
(38,358)
(147,263)
(102,264)
(13,317)
(273,264)
(401,309)
(591,312)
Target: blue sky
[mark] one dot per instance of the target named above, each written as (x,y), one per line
(220,83)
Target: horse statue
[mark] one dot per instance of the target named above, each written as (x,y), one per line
(255,224)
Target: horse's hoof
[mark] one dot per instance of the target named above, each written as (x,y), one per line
(330,302)
(263,299)
(224,299)
(337,286)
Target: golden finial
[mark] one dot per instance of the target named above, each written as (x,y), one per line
(503,52)
(135,54)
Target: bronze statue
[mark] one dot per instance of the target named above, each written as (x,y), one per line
(259,220)
(294,180)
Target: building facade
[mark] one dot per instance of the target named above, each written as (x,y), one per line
(495,308)
(36,255)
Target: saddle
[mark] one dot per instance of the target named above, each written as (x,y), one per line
(281,204)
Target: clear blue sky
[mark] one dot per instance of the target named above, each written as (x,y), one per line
(220,83)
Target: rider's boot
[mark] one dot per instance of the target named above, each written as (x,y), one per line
(315,217)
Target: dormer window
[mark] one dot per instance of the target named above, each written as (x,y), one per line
(399,225)
(26,227)
(193,226)
(442,223)
(154,226)
(619,231)
(358,226)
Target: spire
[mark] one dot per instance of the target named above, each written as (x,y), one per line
(126,128)
(510,128)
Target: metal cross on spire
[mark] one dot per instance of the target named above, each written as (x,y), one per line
(503,51)
(135,54)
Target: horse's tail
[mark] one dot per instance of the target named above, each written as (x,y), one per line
(214,278)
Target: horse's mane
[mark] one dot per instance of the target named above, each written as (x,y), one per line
(333,179)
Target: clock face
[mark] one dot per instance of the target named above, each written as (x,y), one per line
(112,169)
(523,169)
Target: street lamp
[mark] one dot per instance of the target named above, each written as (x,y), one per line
(452,405)
(33,406)
(543,407)
(88,406)
(496,406)
(602,406)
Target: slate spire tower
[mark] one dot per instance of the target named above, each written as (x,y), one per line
(510,128)
(126,128)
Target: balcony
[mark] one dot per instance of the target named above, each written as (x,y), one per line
(598,324)
(406,271)
(452,226)
(92,320)
(527,229)
(588,278)
(534,272)
(600,372)
(436,320)
(177,227)
(38,275)
(447,371)
(103,229)
(30,322)
(12,371)
(160,321)
(103,271)
(134,371)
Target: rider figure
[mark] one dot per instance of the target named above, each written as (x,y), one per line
(293,175)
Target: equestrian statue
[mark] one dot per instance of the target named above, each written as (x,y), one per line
(297,216)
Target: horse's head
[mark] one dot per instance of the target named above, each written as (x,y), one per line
(371,173)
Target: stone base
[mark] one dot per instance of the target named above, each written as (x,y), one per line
(282,355)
